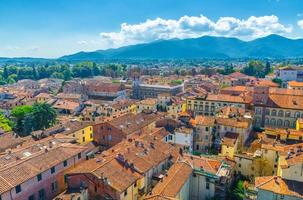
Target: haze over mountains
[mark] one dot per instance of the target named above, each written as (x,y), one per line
(272,46)
(206,47)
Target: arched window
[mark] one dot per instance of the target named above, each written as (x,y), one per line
(286,123)
(280,113)
(279,122)
(258,120)
(273,113)
(267,112)
(266,121)
(297,115)
(273,122)
(287,114)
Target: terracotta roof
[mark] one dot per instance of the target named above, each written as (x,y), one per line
(230,139)
(237,75)
(207,164)
(148,101)
(225,98)
(173,181)
(204,120)
(281,186)
(64,104)
(266,83)
(233,122)
(285,101)
(9,140)
(130,123)
(125,162)
(25,169)
(295,84)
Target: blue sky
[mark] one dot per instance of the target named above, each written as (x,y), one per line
(52,28)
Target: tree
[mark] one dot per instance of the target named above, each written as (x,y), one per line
(255,68)
(239,191)
(5,72)
(35,73)
(18,113)
(39,116)
(267,68)
(5,124)
(44,116)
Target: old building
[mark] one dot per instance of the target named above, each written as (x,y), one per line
(37,171)
(107,134)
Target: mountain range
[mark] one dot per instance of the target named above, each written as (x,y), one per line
(206,47)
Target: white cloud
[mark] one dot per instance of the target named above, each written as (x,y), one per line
(300,23)
(194,26)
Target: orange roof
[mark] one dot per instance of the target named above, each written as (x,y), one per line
(281,186)
(295,84)
(172,184)
(204,120)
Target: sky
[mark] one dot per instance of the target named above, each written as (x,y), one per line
(53,28)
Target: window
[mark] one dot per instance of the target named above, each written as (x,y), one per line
(206,128)
(18,189)
(65,163)
(281,196)
(83,139)
(297,114)
(272,122)
(280,113)
(79,155)
(125,193)
(170,137)
(207,185)
(206,137)
(39,177)
(41,194)
(53,170)
(31,197)
(266,121)
(273,113)
(239,165)
(267,112)
(197,147)
(91,136)
(82,131)
(286,123)
(287,114)
(54,186)
(279,122)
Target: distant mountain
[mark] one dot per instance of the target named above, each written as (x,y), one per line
(272,46)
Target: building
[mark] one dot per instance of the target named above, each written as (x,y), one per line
(147,104)
(289,74)
(107,134)
(211,103)
(193,178)
(37,171)
(125,171)
(277,109)
(294,85)
(275,187)
(80,131)
(151,87)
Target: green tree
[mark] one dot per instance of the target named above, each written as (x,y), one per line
(5,124)
(239,191)
(5,72)
(255,68)
(44,116)
(18,113)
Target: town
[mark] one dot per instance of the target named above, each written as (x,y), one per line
(152,133)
